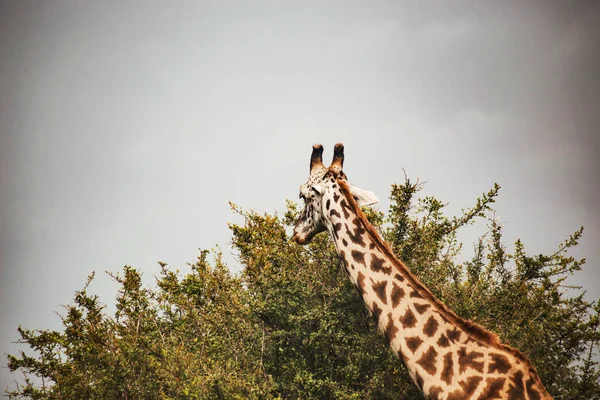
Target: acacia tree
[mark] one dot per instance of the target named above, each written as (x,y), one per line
(190,337)
(291,325)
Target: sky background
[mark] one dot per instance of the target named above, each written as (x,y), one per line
(126,127)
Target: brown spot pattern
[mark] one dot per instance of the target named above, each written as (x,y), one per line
(358,256)
(448,369)
(337,227)
(408,320)
(391,329)
(427,361)
(443,341)
(430,326)
(499,363)
(334,213)
(345,208)
(376,311)
(356,237)
(435,393)
(493,389)
(516,389)
(421,308)
(378,265)
(414,294)
(360,281)
(470,385)
(456,395)
(468,360)
(399,277)
(397,294)
(531,392)
(453,334)
(380,290)
(413,343)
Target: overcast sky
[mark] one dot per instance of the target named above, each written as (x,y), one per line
(126,127)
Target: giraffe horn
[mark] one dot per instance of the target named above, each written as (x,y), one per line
(316,159)
(338,158)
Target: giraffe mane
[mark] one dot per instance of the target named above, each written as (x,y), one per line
(473,329)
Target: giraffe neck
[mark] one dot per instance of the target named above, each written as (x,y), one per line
(447,357)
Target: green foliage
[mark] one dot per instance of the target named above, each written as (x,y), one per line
(291,325)
(191,337)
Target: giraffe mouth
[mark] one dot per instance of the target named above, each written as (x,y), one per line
(302,240)
(298,239)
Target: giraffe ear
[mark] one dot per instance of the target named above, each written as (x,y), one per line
(363,197)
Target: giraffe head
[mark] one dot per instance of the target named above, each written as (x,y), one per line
(320,187)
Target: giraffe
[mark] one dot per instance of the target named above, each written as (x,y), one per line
(447,357)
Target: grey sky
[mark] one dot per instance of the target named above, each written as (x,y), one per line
(126,127)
